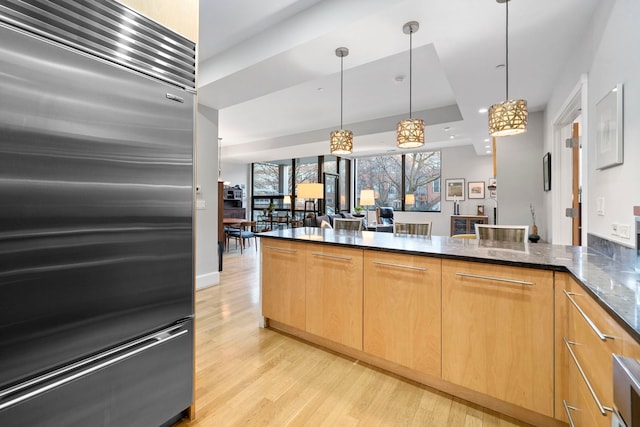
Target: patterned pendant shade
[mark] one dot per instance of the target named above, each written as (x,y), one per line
(341,142)
(508,118)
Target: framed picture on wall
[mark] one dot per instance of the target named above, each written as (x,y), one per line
(454,189)
(546,172)
(476,190)
(609,141)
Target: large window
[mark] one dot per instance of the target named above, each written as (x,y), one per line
(404,182)
(422,181)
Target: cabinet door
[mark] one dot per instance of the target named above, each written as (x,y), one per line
(402,309)
(334,293)
(283,289)
(497,332)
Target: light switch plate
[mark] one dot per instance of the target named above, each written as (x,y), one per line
(600,205)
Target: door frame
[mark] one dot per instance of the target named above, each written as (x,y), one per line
(575,105)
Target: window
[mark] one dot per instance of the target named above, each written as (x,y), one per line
(422,180)
(383,175)
(416,188)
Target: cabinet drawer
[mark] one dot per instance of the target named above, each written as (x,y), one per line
(581,403)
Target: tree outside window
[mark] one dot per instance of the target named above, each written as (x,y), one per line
(384,175)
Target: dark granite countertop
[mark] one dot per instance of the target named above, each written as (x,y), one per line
(615,287)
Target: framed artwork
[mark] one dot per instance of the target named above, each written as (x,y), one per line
(455,189)
(546,172)
(480,211)
(476,190)
(493,183)
(493,194)
(609,139)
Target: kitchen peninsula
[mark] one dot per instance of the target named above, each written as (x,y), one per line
(489,322)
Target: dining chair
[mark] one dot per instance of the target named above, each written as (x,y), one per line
(353,224)
(412,229)
(248,230)
(503,233)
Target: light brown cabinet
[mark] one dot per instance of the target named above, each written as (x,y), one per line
(283,281)
(334,293)
(591,338)
(402,310)
(497,332)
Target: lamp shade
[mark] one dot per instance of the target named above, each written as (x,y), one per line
(341,142)
(309,190)
(367,198)
(410,133)
(410,199)
(508,118)
(286,200)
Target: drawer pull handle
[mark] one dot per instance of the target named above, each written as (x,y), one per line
(344,258)
(498,279)
(568,408)
(601,408)
(281,249)
(408,267)
(593,326)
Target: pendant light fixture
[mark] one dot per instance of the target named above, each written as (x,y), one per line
(508,117)
(410,131)
(341,141)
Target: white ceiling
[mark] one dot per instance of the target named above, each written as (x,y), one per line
(270,68)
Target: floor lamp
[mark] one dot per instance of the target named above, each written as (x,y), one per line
(367,198)
(311,191)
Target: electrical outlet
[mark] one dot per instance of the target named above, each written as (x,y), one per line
(624,230)
(614,229)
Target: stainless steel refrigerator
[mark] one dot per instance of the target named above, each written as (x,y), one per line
(96,216)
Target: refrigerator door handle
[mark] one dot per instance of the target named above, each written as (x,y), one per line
(156,339)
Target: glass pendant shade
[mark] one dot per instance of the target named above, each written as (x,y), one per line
(508,118)
(410,133)
(341,142)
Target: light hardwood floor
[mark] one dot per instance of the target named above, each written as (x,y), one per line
(248,376)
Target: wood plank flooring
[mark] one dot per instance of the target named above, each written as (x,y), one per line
(248,376)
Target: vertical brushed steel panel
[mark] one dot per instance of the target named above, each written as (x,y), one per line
(96,175)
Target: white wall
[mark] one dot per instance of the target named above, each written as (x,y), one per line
(207,179)
(608,54)
(519,175)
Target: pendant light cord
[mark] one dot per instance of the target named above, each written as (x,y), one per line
(341,78)
(410,68)
(507,51)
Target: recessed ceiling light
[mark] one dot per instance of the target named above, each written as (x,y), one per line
(488,151)
(487,140)
(487,146)
(399,79)
(499,66)
(483,110)
(452,136)
(447,128)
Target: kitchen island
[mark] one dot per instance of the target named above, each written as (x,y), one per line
(482,320)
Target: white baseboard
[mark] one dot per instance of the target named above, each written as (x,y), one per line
(207,280)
